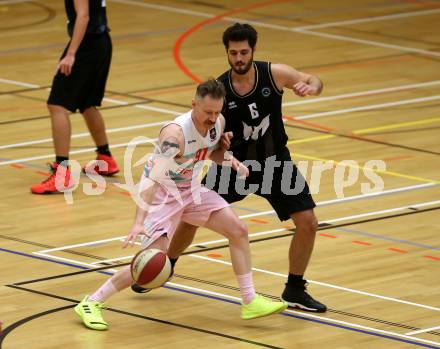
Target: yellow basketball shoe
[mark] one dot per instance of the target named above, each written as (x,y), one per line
(90,313)
(261,306)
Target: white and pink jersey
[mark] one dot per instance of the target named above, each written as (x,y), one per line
(168,208)
(197,149)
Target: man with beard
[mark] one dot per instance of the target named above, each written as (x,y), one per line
(253,114)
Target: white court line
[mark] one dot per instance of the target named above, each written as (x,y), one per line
(303,314)
(368,42)
(97,242)
(368,214)
(142,106)
(44,253)
(369,19)
(87,150)
(324,284)
(369,107)
(168,111)
(91,243)
(293,29)
(363,93)
(18,83)
(423,331)
(68,260)
(8,2)
(351,198)
(85,134)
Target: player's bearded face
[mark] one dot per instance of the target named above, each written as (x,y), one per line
(240,57)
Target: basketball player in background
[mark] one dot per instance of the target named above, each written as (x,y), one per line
(79,84)
(252,111)
(184,144)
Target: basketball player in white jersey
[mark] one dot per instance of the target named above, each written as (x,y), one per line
(172,195)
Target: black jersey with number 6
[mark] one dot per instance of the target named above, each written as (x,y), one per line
(255,118)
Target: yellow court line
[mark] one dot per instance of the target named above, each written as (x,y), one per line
(403,124)
(367,130)
(310,139)
(391,173)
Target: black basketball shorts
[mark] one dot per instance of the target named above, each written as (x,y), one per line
(284,187)
(85,86)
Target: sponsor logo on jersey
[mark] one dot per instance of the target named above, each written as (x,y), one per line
(191,141)
(265,91)
(232,105)
(254,131)
(212,134)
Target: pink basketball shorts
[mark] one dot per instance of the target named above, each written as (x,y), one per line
(192,204)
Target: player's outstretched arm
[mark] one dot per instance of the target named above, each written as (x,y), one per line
(163,160)
(302,84)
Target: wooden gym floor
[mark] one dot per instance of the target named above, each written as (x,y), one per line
(376,259)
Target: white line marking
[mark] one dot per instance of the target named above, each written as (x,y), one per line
(164,8)
(291,29)
(350,198)
(368,214)
(363,93)
(304,314)
(87,150)
(369,19)
(7,2)
(369,42)
(324,284)
(18,83)
(221,295)
(369,107)
(250,235)
(68,260)
(423,331)
(121,238)
(90,243)
(85,134)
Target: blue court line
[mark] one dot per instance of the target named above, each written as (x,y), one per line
(52,260)
(383,237)
(322,322)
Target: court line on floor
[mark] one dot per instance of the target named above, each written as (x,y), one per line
(302,315)
(225,16)
(423,331)
(98,242)
(368,107)
(168,111)
(364,93)
(86,134)
(370,19)
(80,151)
(390,173)
(149,318)
(351,290)
(368,42)
(365,130)
(46,253)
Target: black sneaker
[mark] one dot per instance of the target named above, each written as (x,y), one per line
(297,297)
(139,289)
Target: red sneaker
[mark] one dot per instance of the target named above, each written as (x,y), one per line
(59,179)
(93,168)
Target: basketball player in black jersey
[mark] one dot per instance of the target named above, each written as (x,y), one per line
(252,111)
(79,84)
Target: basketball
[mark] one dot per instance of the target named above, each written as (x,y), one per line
(150,268)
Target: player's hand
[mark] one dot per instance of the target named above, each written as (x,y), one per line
(136,229)
(225,140)
(303,89)
(66,64)
(241,169)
